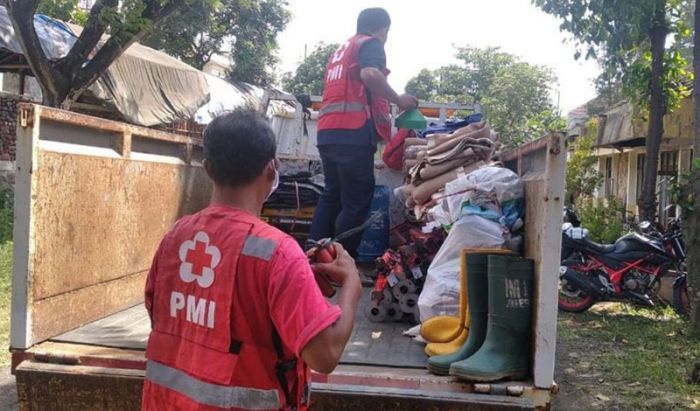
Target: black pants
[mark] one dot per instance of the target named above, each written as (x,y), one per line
(347,197)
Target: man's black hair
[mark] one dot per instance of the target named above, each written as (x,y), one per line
(372,19)
(237,147)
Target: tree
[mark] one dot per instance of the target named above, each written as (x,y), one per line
(245,29)
(63,81)
(66,10)
(423,85)
(194,35)
(255,42)
(629,38)
(308,77)
(692,223)
(514,95)
(582,178)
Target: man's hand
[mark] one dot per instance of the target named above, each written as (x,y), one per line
(407,102)
(322,353)
(341,270)
(376,82)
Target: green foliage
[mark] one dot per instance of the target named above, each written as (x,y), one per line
(6,212)
(582,177)
(254,40)
(5,299)
(423,85)
(513,94)
(245,29)
(308,77)
(604,219)
(66,10)
(618,34)
(680,190)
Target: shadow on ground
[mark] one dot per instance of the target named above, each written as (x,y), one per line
(8,394)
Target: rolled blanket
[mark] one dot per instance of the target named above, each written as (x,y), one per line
(483,148)
(437,139)
(483,132)
(414,141)
(432,171)
(422,193)
(412,152)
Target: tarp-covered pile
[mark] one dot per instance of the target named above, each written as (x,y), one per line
(146,86)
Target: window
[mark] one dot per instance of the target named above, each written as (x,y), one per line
(608,187)
(641,159)
(668,163)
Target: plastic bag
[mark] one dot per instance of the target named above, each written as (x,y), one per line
(470,194)
(440,295)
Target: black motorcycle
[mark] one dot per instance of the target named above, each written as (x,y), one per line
(629,269)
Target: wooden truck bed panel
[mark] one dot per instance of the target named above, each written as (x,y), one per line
(93,199)
(370,343)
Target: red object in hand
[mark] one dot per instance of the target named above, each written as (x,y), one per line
(325,255)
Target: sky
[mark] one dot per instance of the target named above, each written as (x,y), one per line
(423,35)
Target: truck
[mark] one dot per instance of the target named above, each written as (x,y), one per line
(92,200)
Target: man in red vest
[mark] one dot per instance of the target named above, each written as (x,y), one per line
(353,115)
(237,317)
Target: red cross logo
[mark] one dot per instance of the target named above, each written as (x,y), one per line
(199,258)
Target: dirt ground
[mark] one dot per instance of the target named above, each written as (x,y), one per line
(614,358)
(8,394)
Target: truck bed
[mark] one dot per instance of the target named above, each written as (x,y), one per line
(93,198)
(378,344)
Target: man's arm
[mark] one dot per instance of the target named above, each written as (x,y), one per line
(372,62)
(376,82)
(323,352)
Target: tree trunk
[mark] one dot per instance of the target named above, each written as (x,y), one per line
(657,110)
(692,223)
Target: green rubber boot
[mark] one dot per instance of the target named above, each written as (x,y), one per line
(477,287)
(505,352)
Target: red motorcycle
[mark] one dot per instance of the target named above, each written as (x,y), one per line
(628,270)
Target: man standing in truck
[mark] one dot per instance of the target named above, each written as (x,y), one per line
(237,317)
(353,115)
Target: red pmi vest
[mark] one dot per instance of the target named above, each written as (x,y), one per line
(345,104)
(200,355)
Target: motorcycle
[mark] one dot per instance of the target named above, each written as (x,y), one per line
(628,270)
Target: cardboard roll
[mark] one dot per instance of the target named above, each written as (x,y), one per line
(408,303)
(388,297)
(393,312)
(376,314)
(403,287)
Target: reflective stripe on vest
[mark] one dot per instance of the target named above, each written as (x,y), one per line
(211,394)
(259,247)
(343,108)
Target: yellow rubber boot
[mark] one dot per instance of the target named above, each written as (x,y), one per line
(441,329)
(449,347)
(446,334)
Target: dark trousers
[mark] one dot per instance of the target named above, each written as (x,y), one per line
(347,197)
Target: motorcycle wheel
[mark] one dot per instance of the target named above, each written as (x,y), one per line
(681,302)
(572,299)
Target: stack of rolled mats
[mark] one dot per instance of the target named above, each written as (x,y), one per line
(440,158)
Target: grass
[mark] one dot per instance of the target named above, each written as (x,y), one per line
(5,291)
(5,271)
(641,357)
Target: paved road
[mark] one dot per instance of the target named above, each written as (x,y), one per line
(8,394)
